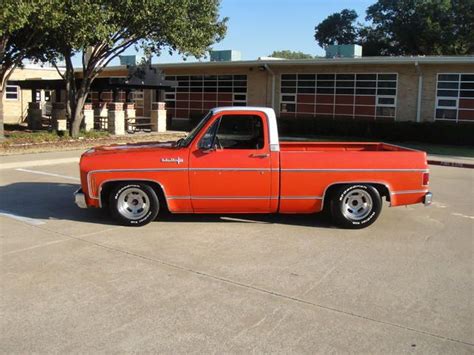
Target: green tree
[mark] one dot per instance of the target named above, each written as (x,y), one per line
(100,30)
(287,54)
(374,42)
(429,27)
(405,27)
(338,28)
(17,39)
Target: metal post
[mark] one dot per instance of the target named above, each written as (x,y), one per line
(128,95)
(57,94)
(114,95)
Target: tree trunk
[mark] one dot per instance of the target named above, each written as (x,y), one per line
(78,115)
(71,94)
(2,134)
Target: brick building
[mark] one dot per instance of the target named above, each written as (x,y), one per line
(376,88)
(386,88)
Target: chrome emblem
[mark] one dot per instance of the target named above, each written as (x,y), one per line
(178,160)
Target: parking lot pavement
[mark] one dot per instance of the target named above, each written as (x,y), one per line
(72,280)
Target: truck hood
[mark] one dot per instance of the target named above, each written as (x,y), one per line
(134,156)
(132,147)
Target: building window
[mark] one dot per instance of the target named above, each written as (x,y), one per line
(170,96)
(345,95)
(197,94)
(288,103)
(455,97)
(12,92)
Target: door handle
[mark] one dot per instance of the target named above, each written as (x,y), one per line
(265,155)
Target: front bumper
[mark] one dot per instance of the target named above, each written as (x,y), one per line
(427,199)
(80,199)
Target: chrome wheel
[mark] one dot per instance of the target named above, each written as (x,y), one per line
(356,205)
(133,203)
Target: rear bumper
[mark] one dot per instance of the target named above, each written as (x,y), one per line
(427,199)
(80,199)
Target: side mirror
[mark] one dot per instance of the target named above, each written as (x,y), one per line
(209,149)
(205,145)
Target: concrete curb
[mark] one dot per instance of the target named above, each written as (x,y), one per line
(452,164)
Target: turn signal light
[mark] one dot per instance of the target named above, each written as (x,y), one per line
(426,179)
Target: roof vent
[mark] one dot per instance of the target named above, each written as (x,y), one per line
(344,51)
(227,55)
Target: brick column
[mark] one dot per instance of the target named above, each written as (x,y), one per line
(130,115)
(116,118)
(158,117)
(34,115)
(88,117)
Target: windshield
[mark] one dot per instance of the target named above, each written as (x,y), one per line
(184,142)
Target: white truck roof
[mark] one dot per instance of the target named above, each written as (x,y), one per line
(272,123)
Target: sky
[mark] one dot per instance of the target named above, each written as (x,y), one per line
(258,27)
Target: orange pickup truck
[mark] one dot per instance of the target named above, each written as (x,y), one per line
(233,162)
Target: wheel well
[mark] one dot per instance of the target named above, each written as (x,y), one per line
(381,188)
(107,187)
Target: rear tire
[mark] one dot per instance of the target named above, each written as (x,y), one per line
(355,206)
(133,204)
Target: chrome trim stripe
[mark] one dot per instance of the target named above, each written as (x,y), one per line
(230,169)
(402,192)
(232,198)
(150,170)
(244,198)
(145,170)
(355,170)
(301,197)
(89,187)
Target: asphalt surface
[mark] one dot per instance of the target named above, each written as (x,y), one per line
(74,281)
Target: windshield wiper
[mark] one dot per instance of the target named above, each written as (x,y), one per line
(179,142)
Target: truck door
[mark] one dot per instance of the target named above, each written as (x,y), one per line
(229,167)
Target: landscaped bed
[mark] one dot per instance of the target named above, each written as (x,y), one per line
(23,141)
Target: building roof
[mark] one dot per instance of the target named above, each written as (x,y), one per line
(387,60)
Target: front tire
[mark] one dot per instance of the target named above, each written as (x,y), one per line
(134,204)
(355,206)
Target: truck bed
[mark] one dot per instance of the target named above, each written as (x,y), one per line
(308,169)
(341,146)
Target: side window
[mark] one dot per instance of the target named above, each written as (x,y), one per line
(206,140)
(240,132)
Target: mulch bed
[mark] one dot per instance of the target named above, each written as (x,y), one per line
(9,148)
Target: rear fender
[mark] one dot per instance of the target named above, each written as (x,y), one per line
(383,187)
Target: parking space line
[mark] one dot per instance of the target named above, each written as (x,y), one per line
(36,246)
(21,164)
(48,174)
(462,215)
(31,221)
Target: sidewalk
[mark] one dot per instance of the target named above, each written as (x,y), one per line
(452,161)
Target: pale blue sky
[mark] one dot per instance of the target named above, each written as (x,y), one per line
(258,27)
